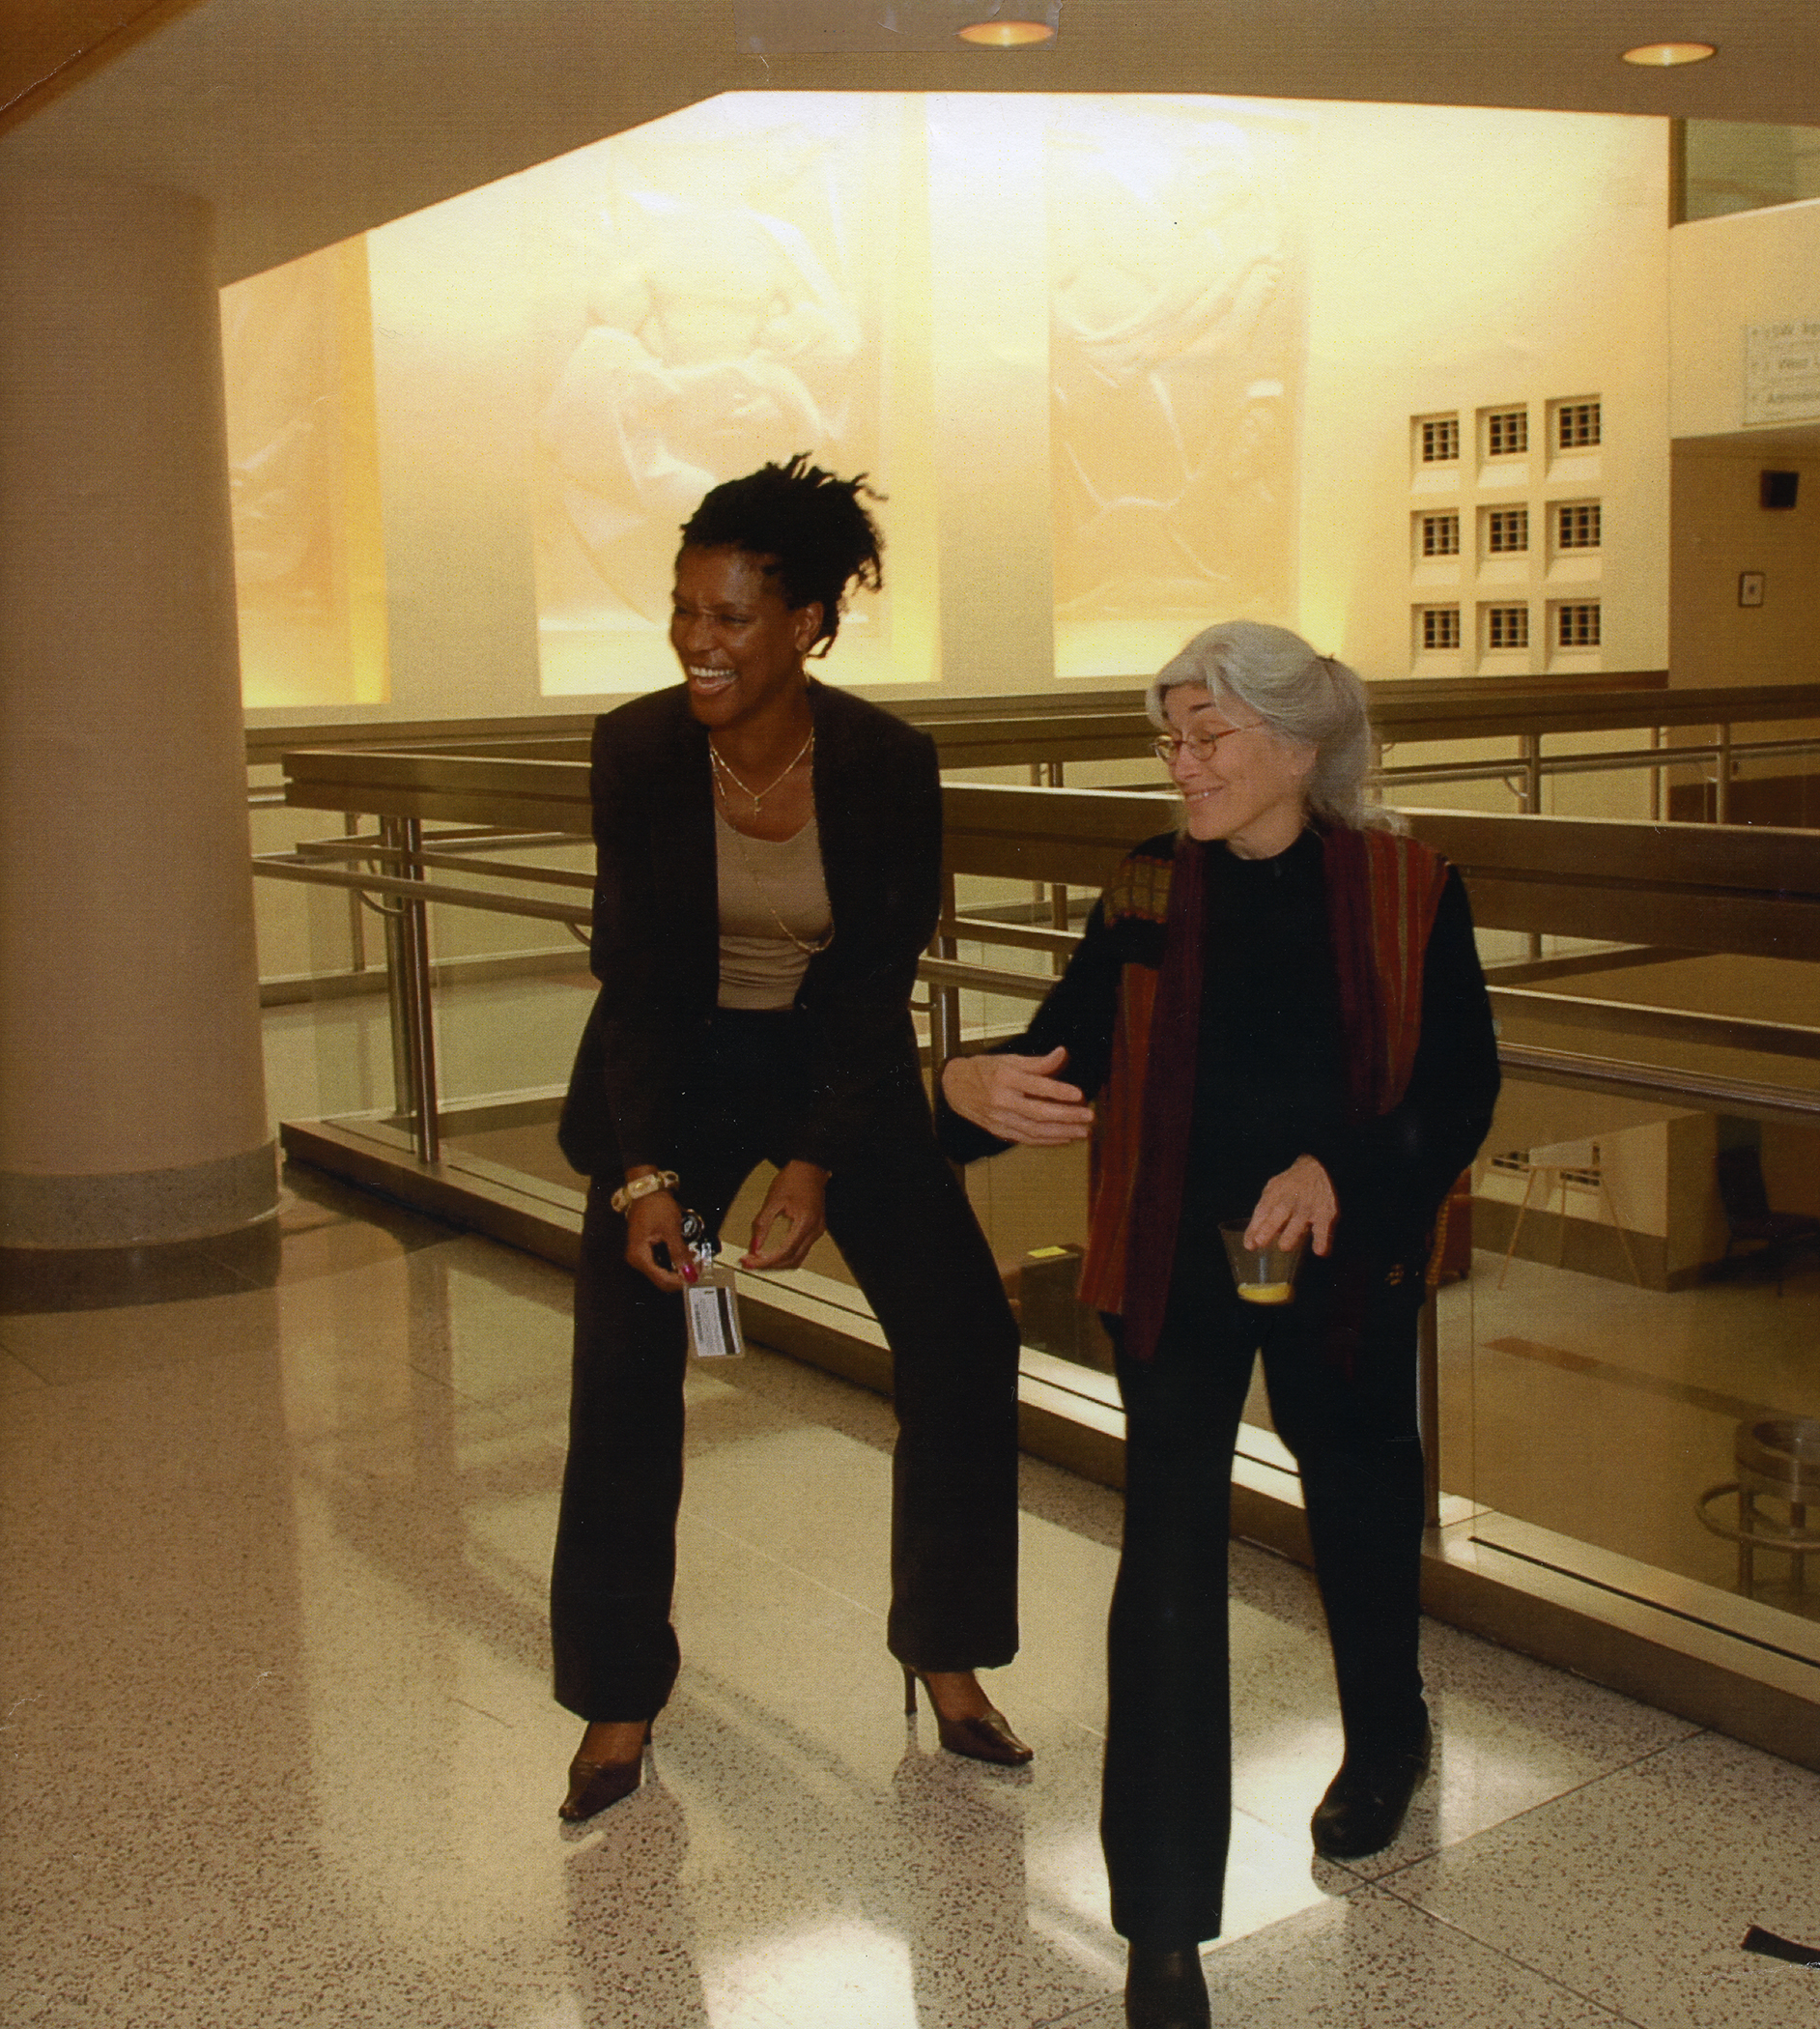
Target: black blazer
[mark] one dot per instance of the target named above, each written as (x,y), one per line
(656,939)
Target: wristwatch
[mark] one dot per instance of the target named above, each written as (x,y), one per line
(643,1186)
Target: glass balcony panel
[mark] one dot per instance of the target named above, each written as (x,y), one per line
(1628,1335)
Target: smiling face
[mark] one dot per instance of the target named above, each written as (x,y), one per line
(741,647)
(1249,790)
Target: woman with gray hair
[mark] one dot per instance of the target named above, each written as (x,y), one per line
(1276,1020)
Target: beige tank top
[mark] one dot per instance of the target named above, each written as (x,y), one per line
(774,903)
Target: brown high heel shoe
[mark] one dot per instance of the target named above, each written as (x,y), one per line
(986,1737)
(595,1786)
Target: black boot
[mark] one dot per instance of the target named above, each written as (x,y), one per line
(1164,1989)
(1366,1801)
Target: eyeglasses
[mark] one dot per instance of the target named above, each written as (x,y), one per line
(1201,744)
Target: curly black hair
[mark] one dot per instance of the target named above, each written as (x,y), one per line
(804,526)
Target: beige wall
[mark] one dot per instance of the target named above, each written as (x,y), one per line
(1460,260)
(1726,274)
(303,480)
(1720,530)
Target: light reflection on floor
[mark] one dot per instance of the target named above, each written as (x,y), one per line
(279,1747)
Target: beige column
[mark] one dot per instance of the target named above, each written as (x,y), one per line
(132,1086)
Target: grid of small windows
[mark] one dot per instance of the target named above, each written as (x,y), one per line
(1577,626)
(1507,627)
(1563,530)
(1578,528)
(1507,531)
(1440,441)
(1507,432)
(1577,425)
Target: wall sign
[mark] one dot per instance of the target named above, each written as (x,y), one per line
(1781,370)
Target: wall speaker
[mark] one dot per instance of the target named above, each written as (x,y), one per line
(1779,489)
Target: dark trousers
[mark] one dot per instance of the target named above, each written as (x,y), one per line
(902,1221)
(1350,1420)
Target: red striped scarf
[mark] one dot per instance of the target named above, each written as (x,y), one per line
(1383,891)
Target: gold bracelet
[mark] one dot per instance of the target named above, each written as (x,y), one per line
(643,1186)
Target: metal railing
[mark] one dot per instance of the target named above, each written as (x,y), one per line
(1047,731)
(1747,891)
(1044,734)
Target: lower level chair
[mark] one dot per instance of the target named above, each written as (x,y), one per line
(1769,1237)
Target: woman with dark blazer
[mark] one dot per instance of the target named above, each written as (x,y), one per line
(1280,1017)
(769,862)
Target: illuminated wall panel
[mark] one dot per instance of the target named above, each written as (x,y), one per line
(1122,366)
(302,450)
(713,290)
(1175,285)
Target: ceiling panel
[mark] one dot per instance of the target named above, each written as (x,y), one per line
(47,47)
(302,124)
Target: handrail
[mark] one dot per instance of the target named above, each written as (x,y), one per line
(1402,713)
(1040,725)
(358,848)
(1749,890)
(1690,886)
(308,869)
(268,745)
(1769,1039)
(1045,733)
(1692,1089)
(267,742)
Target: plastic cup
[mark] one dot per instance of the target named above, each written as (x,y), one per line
(1262,1274)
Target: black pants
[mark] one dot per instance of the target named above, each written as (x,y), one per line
(902,1221)
(1166,1815)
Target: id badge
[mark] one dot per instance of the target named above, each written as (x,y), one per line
(709,1304)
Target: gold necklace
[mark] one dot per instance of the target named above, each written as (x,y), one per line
(755,797)
(764,893)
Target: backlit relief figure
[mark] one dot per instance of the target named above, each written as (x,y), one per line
(1172,357)
(276,334)
(303,480)
(719,337)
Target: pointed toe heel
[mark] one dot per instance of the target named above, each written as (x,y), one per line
(988,1736)
(595,1786)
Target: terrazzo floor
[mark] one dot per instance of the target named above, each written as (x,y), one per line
(276,1746)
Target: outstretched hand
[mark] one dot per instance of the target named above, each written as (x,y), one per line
(1017,1099)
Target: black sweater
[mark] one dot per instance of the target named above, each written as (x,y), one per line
(655,942)
(1269,1083)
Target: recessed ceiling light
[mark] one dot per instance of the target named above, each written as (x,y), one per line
(1664,56)
(1007,34)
